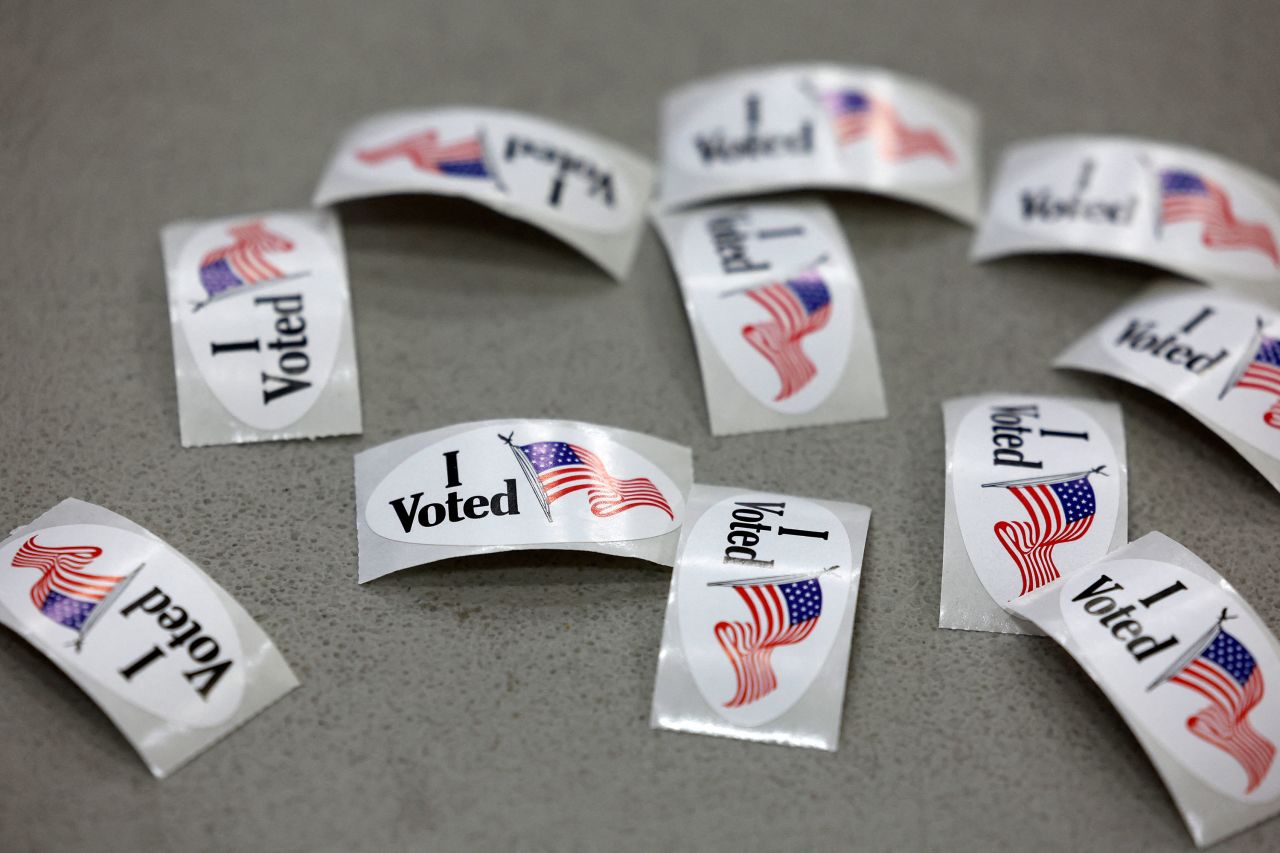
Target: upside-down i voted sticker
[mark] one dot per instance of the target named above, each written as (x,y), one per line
(1187,663)
(1178,208)
(778,317)
(760,617)
(172,659)
(263,347)
(587,191)
(820,126)
(503,485)
(1215,354)
(1036,487)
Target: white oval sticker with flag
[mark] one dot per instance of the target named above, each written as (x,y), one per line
(1037,489)
(586,190)
(1216,354)
(517,483)
(260,305)
(1179,208)
(169,656)
(782,330)
(760,617)
(1190,666)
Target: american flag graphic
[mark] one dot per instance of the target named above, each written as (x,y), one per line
(858,116)
(783,612)
(1188,197)
(563,468)
(1222,670)
(65,592)
(1060,510)
(244,260)
(1261,373)
(463,158)
(797,307)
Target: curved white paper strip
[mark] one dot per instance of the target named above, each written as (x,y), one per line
(1036,487)
(820,126)
(501,485)
(782,330)
(1182,209)
(1191,668)
(1215,354)
(760,617)
(589,192)
(262,334)
(172,659)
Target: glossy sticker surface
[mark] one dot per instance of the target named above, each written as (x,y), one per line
(762,583)
(1037,488)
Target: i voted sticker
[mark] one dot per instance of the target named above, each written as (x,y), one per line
(494,485)
(585,190)
(172,659)
(777,311)
(1215,354)
(1037,488)
(760,617)
(130,613)
(533,484)
(763,583)
(831,126)
(260,306)
(1178,653)
(1178,208)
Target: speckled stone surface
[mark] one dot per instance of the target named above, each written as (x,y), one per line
(502,702)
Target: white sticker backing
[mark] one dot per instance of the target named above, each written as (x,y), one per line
(1187,663)
(488,486)
(760,618)
(589,192)
(172,659)
(260,312)
(778,316)
(1185,210)
(1036,487)
(820,126)
(1215,354)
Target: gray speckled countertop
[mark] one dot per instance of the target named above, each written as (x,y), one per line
(502,702)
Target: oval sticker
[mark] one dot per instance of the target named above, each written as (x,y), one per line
(774,298)
(763,584)
(1178,653)
(535,483)
(1211,354)
(1037,487)
(129,613)
(261,303)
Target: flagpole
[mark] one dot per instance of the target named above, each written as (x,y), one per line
(529,474)
(812,265)
(488,164)
(775,579)
(1245,359)
(1191,653)
(104,605)
(1043,481)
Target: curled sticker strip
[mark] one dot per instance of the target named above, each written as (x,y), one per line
(1215,354)
(487,486)
(760,618)
(820,126)
(1037,486)
(260,312)
(587,191)
(1178,208)
(166,653)
(1189,665)
(776,307)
